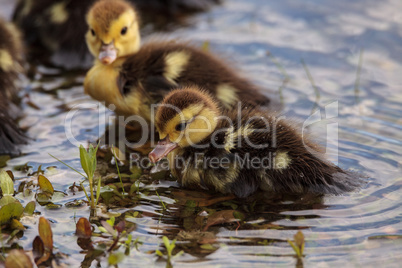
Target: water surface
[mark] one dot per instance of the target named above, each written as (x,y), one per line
(274,43)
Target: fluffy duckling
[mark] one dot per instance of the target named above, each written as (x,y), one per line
(240,151)
(59,25)
(10,66)
(132,77)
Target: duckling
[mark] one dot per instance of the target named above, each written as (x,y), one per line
(59,25)
(132,77)
(240,151)
(10,66)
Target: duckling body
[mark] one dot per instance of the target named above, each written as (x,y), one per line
(59,25)
(243,150)
(138,76)
(10,66)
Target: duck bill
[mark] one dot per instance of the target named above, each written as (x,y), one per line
(162,149)
(108,53)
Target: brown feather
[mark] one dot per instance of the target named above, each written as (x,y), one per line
(11,51)
(145,69)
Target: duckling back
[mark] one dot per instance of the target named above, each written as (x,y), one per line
(158,67)
(261,154)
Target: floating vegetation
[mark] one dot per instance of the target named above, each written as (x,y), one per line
(11,209)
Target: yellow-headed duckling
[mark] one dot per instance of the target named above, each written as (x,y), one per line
(10,67)
(240,151)
(59,25)
(132,77)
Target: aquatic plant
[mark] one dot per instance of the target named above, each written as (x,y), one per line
(42,249)
(169,251)
(88,164)
(11,209)
(114,149)
(298,245)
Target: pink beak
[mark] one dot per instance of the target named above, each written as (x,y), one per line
(162,149)
(108,53)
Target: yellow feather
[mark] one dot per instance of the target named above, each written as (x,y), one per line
(175,64)
(58,13)
(282,160)
(227,95)
(6,61)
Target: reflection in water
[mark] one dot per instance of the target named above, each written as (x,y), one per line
(354,229)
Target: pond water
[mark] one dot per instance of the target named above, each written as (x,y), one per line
(353,52)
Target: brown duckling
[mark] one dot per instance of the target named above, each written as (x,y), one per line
(10,67)
(132,77)
(59,25)
(240,151)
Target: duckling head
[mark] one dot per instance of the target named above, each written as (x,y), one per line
(113,30)
(185,117)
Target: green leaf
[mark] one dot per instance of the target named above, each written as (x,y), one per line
(85,161)
(169,245)
(18,259)
(109,228)
(159,253)
(30,208)
(166,241)
(93,156)
(98,191)
(85,192)
(111,221)
(53,206)
(45,185)
(7,199)
(129,239)
(6,183)
(17,225)
(181,252)
(299,239)
(103,230)
(46,234)
(295,248)
(10,211)
(116,258)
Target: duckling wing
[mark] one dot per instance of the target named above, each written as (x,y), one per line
(158,86)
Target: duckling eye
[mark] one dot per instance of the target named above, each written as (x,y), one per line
(123,31)
(92,32)
(181,126)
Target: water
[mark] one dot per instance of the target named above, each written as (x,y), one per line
(269,41)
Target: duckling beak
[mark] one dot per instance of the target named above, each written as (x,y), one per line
(108,53)
(162,149)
